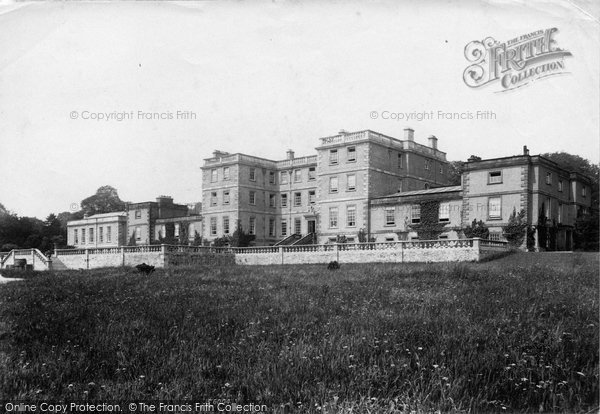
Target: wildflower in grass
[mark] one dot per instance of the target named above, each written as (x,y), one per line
(580,373)
(435,366)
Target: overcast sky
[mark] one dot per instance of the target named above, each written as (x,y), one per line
(262,77)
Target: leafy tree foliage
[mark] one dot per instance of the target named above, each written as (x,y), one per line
(106,200)
(585,236)
(197,239)
(132,241)
(239,238)
(516,229)
(455,170)
(477,229)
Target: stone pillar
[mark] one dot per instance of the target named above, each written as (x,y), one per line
(476,247)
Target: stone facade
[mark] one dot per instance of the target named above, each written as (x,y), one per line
(99,230)
(551,196)
(394,216)
(326,194)
(142,218)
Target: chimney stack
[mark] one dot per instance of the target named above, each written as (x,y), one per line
(432,141)
(290,154)
(409,134)
(219,154)
(525,150)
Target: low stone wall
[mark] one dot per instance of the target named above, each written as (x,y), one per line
(110,257)
(392,252)
(199,259)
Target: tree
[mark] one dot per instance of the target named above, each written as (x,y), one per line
(240,238)
(516,229)
(106,200)
(183,234)
(132,241)
(455,171)
(197,239)
(477,229)
(585,236)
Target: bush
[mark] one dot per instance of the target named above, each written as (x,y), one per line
(516,229)
(477,229)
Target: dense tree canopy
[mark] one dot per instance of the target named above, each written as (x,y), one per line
(30,232)
(106,200)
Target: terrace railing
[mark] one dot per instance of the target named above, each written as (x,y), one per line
(412,244)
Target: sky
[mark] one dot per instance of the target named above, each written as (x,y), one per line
(260,78)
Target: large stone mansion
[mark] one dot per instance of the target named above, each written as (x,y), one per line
(357,183)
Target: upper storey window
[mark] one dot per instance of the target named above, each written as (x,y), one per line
(214,175)
(351,154)
(494,177)
(333,157)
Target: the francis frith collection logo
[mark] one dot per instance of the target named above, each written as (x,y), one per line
(516,62)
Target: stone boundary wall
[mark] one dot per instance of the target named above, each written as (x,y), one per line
(392,252)
(109,259)
(389,252)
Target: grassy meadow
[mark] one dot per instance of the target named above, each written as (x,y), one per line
(515,334)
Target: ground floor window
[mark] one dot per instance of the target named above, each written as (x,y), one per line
(226,225)
(213,226)
(297,226)
(271,227)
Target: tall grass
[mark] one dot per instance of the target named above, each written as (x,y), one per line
(378,338)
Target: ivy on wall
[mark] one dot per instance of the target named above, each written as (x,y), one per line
(429,227)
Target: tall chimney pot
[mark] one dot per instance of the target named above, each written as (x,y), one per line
(525,150)
(432,141)
(290,154)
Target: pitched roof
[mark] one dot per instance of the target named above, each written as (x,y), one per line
(436,190)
